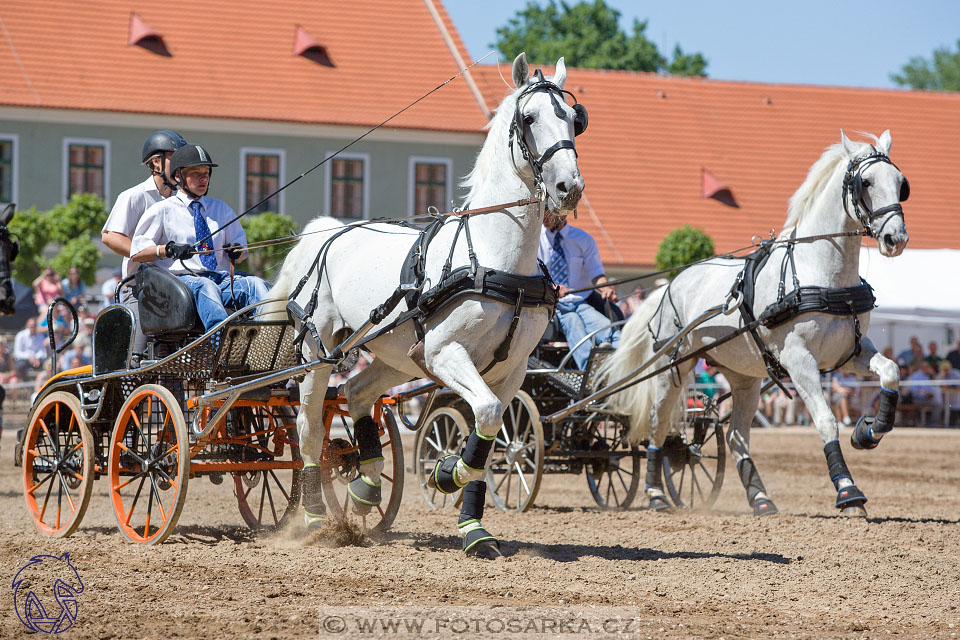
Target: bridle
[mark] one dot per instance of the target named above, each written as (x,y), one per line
(517,127)
(853,185)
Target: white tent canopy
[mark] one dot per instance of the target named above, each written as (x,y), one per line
(918,294)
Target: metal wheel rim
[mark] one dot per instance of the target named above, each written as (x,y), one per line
(442,434)
(516,459)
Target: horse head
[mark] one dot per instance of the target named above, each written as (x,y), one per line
(542,134)
(873,188)
(9,248)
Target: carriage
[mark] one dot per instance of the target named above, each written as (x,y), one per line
(592,439)
(213,404)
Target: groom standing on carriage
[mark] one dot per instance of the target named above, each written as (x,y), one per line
(573,261)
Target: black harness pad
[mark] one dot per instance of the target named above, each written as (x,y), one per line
(842,301)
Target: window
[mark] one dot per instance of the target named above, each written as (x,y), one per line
(86,167)
(261,171)
(430,184)
(347,180)
(8,169)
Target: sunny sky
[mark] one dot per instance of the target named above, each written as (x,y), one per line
(825,42)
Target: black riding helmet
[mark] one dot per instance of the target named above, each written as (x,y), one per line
(156,144)
(191,155)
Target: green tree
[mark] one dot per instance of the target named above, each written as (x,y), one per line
(681,247)
(266,261)
(941,74)
(71,226)
(83,215)
(32,228)
(588,35)
(82,253)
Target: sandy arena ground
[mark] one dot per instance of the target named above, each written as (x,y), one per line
(805,573)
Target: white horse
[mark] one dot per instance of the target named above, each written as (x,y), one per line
(853,188)
(528,151)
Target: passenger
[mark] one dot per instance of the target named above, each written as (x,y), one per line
(118,230)
(169,230)
(573,261)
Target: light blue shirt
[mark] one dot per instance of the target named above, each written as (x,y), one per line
(583,257)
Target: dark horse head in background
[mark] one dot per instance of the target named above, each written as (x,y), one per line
(8,252)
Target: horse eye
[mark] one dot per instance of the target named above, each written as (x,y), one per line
(528,120)
(866,184)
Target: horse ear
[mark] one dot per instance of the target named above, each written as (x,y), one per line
(521,70)
(560,75)
(885,142)
(7,214)
(849,147)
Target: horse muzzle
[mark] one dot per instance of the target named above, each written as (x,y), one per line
(568,194)
(892,244)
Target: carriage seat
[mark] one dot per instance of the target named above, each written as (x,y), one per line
(167,308)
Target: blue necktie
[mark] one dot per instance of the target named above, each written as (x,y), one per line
(208,260)
(558,263)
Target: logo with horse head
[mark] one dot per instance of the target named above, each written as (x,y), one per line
(46,592)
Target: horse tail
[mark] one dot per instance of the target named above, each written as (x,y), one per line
(298,262)
(635,348)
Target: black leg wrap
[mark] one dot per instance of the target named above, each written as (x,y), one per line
(474,496)
(443,475)
(658,501)
(476,451)
(754,486)
(835,464)
(867,433)
(313,506)
(368,439)
(477,541)
(838,469)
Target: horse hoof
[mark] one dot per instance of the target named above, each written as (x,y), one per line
(363,494)
(764,507)
(658,503)
(854,510)
(486,550)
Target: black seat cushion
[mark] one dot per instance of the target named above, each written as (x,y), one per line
(166,304)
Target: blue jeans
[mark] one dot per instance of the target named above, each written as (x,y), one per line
(211,292)
(577,319)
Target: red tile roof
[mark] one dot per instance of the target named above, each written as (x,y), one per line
(650,137)
(233,58)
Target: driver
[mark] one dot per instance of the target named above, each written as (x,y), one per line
(169,231)
(573,261)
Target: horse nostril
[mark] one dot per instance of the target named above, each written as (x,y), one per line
(561,187)
(888,239)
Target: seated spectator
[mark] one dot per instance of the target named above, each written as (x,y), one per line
(954,357)
(842,389)
(632,302)
(907,354)
(73,286)
(950,392)
(923,394)
(30,349)
(73,358)
(46,288)
(932,356)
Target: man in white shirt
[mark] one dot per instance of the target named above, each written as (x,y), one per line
(118,230)
(30,348)
(573,261)
(176,232)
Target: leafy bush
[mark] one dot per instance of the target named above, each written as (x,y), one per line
(683,246)
(32,228)
(84,215)
(81,253)
(266,261)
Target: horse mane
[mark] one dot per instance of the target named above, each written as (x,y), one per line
(817,179)
(489,154)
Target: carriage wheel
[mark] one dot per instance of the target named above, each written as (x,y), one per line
(345,469)
(516,461)
(441,434)
(58,465)
(694,459)
(267,498)
(613,478)
(149,464)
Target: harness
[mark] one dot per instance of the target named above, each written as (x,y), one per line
(840,301)
(468,280)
